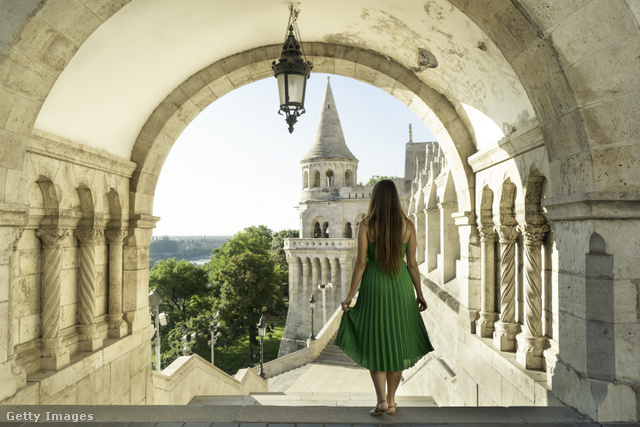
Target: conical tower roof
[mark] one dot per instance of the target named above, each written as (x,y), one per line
(329,142)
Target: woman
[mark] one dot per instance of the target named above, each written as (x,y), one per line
(384,331)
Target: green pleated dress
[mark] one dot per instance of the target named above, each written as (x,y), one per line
(384,330)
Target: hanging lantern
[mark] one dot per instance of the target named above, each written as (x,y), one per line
(292,71)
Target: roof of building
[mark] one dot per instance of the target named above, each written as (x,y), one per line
(329,142)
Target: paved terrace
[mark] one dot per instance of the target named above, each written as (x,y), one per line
(314,395)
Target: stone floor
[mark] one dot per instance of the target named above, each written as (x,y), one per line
(314,395)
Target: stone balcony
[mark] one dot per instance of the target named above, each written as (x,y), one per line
(319,244)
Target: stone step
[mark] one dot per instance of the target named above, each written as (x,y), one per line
(318,416)
(308,399)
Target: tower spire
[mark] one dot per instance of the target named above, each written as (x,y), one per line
(329,142)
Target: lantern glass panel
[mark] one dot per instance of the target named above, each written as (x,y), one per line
(282,85)
(296,88)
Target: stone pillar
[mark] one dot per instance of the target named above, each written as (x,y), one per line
(305,282)
(55,355)
(504,335)
(488,315)
(531,342)
(335,292)
(345,276)
(90,340)
(449,244)
(432,238)
(293,276)
(419,222)
(12,376)
(117,326)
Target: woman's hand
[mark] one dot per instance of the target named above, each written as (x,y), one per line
(345,304)
(422,304)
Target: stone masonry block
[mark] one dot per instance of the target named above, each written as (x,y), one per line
(4,283)
(138,387)
(548,13)
(605,74)
(71,18)
(27,296)
(29,328)
(22,75)
(4,330)
(604,122)
(105,8)
(627,351)
(240,77)
(365,74)
(345,68)
(120,377)
(597,27)
(616,168)
(22,116)
(58,53)
(12,149)
(69,315)
(221,86)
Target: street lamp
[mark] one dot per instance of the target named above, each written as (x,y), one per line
(312,305)
(160,319)
(186,340)
(213,328)
(262,330)
(292,72)
(323,288)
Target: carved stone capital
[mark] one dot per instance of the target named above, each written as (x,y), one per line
(88,236)
(487,232)
(508,233)
(533,234)
(52,237)
(116,236)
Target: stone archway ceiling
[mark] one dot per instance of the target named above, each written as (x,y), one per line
(130,63)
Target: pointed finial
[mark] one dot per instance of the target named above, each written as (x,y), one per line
(410,133)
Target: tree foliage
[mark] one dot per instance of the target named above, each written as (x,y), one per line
(250,287)
(375,178)
(184,287)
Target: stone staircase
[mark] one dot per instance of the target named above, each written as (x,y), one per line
(332,355)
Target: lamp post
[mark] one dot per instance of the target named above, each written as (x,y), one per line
(159,319)
(213,328)
(312,305)
(262,329)
(323,288)
(186,340)
(292,72)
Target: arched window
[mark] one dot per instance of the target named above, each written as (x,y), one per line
(317,232)
(316,179)
(330,179)
(325,230)
(305,179)
(347,233)
(348,178)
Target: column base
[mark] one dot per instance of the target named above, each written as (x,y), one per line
(90,340)
(54,355)
(504,335)
(117,326)
(529,353)
(485,324)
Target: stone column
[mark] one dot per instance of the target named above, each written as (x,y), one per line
(55,355)
(293,279)
(419,222)
(488,315)
(531,342)
(504,335)
(335,292)
(117,326)
(449,246)
(305,283)
(90,340)
(345,276)
(432,238)
(12,375)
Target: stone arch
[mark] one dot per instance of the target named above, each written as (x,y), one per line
(305,179)
(325,230)
(506,207)
(486,206)
(115,209)
(347,232)
(348,178)
(330,178)
(86,206)
(176,111)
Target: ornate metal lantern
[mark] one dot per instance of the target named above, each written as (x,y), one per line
(292,71)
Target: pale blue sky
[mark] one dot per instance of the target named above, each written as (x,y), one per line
(236,165)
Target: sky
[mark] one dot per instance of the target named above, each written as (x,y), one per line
(236,165)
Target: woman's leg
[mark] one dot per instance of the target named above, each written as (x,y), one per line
(379,383)
(393,381)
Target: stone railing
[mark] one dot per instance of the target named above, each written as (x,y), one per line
(191,376)
(306,355)
(319,243)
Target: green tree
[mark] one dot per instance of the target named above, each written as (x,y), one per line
(250,287)
(184,288)
(280,257)
(375,178)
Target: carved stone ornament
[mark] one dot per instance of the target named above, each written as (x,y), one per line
(507,233)
(116,236)
(533,234)
(487,232)
(88,235)
(52,236)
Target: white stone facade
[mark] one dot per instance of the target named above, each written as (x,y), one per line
(533,104)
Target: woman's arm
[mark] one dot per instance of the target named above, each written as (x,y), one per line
(360,264)
(412,266)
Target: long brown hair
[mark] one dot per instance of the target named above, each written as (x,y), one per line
(385,224)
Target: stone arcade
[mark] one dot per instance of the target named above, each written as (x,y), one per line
(534,104)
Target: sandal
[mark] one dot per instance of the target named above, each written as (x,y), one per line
(392,409)
(377,411)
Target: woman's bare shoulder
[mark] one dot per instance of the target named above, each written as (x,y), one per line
(364,222)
